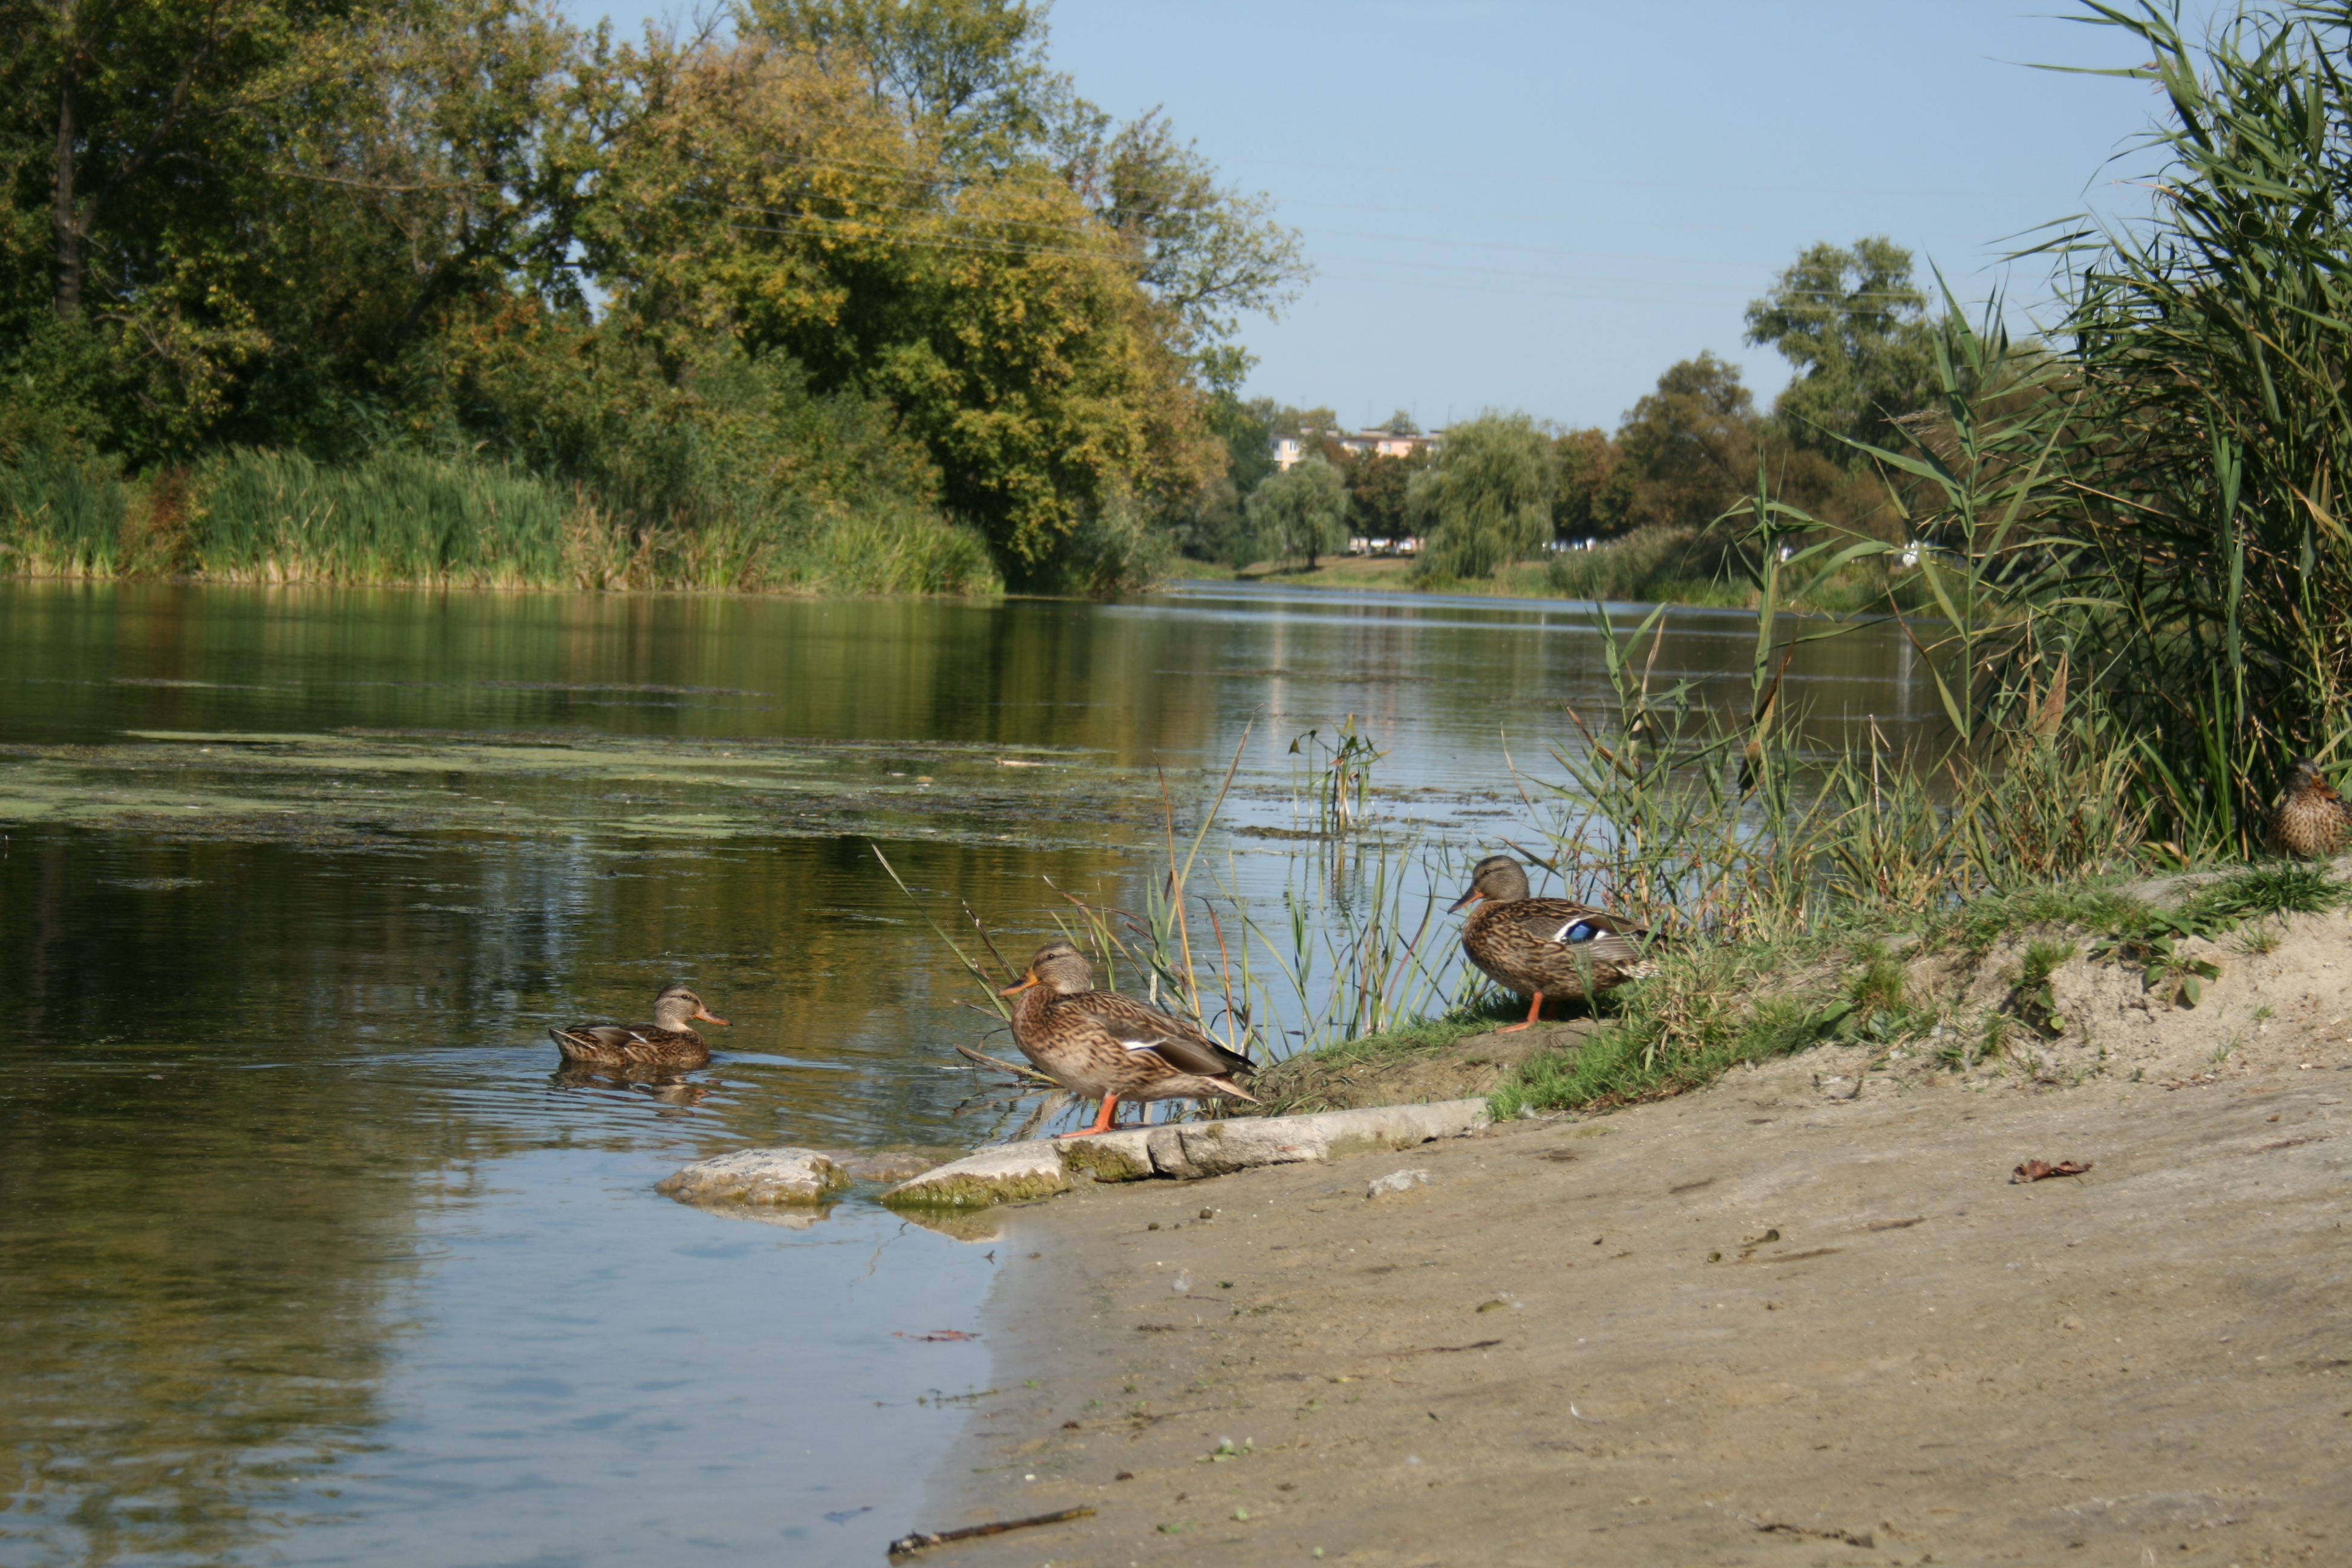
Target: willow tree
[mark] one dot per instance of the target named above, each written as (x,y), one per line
(1487,501)
(1302,510)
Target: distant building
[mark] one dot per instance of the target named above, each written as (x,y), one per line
(1289,449)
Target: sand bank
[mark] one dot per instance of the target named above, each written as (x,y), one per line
(1763,1324)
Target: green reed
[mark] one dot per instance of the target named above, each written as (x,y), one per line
(61,516)
(398,517)
(1338,775)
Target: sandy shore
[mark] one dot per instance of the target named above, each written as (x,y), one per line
(1759,1324)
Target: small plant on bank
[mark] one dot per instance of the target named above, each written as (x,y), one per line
(2031,998)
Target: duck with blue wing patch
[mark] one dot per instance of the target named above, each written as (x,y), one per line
(1544,947)
(1101,1044)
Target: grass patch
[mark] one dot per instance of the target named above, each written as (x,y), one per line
(1712,1006)
(1308,1080)
(1975,928)
(1709,1008)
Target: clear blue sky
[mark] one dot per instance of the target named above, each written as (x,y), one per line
(1542,207)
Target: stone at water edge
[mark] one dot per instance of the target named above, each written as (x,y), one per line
(1005,1174)
(1186,1150)
(1121,1156)
(1190,1149)
(757,1176)
(885,1165)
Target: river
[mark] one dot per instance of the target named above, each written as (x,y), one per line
(307,1253)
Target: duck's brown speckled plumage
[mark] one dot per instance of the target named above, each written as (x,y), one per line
(1544,947)
(2310,818)
(666,1042)
(1101,1044)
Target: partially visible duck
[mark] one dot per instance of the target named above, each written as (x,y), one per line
(2310,819)
(666,1042)
(1099,1044)
(1544,947)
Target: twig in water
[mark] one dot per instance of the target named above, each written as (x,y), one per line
(1051,1106)
(923,1538)
(1013,1067)
(988,943)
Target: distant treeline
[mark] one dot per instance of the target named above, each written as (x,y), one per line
(1853,323)
(843,293)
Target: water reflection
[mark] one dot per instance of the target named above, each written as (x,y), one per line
(312,1250)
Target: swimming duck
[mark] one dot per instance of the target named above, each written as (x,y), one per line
(1544,947)
(1099,1043)
(2310,819)
(666,1042)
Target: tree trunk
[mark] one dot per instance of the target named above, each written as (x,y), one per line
(65,221)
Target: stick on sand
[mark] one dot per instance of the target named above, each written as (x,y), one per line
(923,1538)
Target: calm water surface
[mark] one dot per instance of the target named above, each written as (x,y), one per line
(307,1256)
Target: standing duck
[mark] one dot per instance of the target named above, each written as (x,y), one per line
(2310,819)
(1099,1043)
(666,1042)
(1542,947)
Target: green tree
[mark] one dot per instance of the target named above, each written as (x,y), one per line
(1689,447)
(1249,444)
(971,73)
(1487,501)
(1050,389)
(253,214)
(1209,254)
(1378,489)
(1854,325)
(1301,511)
(1592,498)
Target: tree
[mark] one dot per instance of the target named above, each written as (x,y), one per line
(1303,511)
(1378,487)
(1487,499)
(255,212)
(1401,424)
(1689,447)
(1593,494)
(970,73)
(1249,444)
(1854,325)
(1210,255)
(1048,385)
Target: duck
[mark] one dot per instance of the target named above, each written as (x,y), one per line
(666,1042)
(1544,947)
(2310,819)
(1101,1044)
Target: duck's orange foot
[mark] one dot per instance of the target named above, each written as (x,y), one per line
(1102,1119)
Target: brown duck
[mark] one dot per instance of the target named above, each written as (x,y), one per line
(666,1042)
(1544,947)
(2310,819)
(1101,1044)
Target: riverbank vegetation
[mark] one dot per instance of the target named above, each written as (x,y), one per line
(2133,549)
(839,295)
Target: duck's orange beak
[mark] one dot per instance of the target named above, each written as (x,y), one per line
(1025,983)
(704,1014)
(1464,902)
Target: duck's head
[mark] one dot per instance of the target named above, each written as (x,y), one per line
(1497,877)
(2305,776)
(676,1003)
(1059,968)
